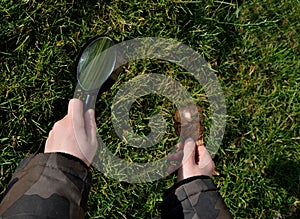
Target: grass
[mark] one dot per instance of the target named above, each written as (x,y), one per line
(254,48)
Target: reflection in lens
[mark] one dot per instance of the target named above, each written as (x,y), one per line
(96,64)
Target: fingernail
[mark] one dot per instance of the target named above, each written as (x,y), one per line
(189,140)
(91,114)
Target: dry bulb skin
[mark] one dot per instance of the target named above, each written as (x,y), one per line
(188,124)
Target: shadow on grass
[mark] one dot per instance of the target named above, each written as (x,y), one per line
(286,174)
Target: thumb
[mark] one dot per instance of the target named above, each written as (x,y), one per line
(75,112)
(189,153)
(75,106)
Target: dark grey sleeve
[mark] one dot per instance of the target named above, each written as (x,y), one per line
(52,185)
(194,198)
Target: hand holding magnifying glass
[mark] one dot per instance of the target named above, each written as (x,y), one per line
(75,134)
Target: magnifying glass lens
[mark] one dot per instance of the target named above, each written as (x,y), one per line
(94,67)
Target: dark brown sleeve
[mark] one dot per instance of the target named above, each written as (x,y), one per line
(52,185)
(195,197)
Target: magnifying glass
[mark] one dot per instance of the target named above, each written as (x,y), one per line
(94,66)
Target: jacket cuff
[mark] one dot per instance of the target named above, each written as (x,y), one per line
(48,175)
(66,163)
(181,199)
(76,171)
(207,184)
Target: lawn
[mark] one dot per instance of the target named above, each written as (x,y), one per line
(253,48)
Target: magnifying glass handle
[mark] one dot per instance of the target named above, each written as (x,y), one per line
(87,97)
(89,102)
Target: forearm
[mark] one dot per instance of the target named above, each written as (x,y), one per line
(54,185)
(195,196)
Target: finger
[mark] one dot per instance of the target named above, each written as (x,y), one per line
(178,155)
(75,104)
(180,146)
(90,125)
(75,112)
(189,153)
(204,157)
